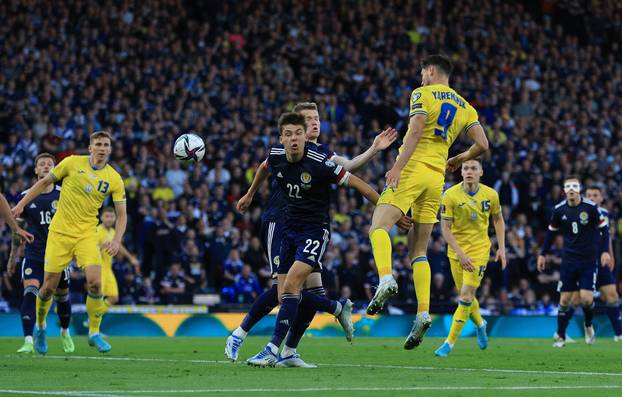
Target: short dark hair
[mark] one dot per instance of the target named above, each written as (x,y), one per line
(440,61)
(108,209)
(572,176)
(300,106)
(478,159)
(99,135)
(293,119)
(595,187)
(44,155)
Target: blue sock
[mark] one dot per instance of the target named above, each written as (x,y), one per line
(29,309)
(261,307)
(562,321)
(63,309)
(613,312)
(321,302)
(588,312)
(285,318)
(306,312)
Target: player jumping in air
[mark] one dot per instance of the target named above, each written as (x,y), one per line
(305,176)
(466,209)
(586,238)
(415,183)
(87,181)
(272,235)
(38,216)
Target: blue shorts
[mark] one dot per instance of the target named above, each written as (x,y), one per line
(604,277)
(271,237)
(574,276)
(33,269)
(304,243)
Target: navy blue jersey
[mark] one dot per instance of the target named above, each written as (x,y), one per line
(38,215)
(275,210)
(306,184)
(581,227)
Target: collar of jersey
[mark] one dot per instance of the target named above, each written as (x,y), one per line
(471,194)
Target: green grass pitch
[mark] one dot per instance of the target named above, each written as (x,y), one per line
(369,367)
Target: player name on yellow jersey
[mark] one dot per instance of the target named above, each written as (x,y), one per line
(470,216)
(447,115)
(83,193)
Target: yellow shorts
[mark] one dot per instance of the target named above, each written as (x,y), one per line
(462,276)
(419,190)
(60,249)
(109,282)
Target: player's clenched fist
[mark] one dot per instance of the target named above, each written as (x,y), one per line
(541,263)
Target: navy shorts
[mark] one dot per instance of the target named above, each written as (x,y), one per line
(574,276)
(304,243)
(33,269)
(604,277)
(271,237)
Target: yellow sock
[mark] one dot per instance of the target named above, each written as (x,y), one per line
(96,308)
(381,247)
(461,316)
(475,314)
(43,307)
(422,279)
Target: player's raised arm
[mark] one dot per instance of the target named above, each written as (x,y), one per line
(33,193)
(480,145)
(381,142)
(415,130)
(260,177)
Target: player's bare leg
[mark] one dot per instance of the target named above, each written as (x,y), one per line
(29,313)
(44,301)
(609,295)
(587,301)
(418,238)
(384,218)
(95,307)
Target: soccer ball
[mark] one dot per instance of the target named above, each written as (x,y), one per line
(189,148)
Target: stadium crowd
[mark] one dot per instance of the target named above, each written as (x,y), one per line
(548,96)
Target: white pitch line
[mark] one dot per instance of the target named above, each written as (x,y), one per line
(343,365)
(111,393)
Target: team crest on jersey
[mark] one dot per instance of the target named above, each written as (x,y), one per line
(88,188)
(305,177)
(277,260)
(584,218)
(473,216)
(28,271)
(54,204)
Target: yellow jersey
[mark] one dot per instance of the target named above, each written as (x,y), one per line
(104,235)
(83,193)
(447,115)
(470,216)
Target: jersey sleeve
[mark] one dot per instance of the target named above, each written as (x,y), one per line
(335,173)
(118,190)
(495,206)
(602,220)
(555,223)
(63,168)
(471,119)
(419,103)
(273,157)
(447,207)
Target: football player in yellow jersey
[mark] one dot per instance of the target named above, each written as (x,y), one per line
(87,181)
(465,212)
(105,233)
(415,183)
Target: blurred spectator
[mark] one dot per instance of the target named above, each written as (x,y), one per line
(173,286)
(246,285)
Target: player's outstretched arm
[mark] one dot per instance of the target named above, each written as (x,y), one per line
(415,128)
(363,188)
(9,217)
(381,142)
(480,146)
(131,258)
(33,193)
(499,225)
(465,261)
(260,177)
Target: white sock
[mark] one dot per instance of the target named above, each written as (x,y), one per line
(273,348)
(449,343)
(92,335)
(64,331)
(386,278)
(288,351)
(240,333)
(28,339)
(338,309)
